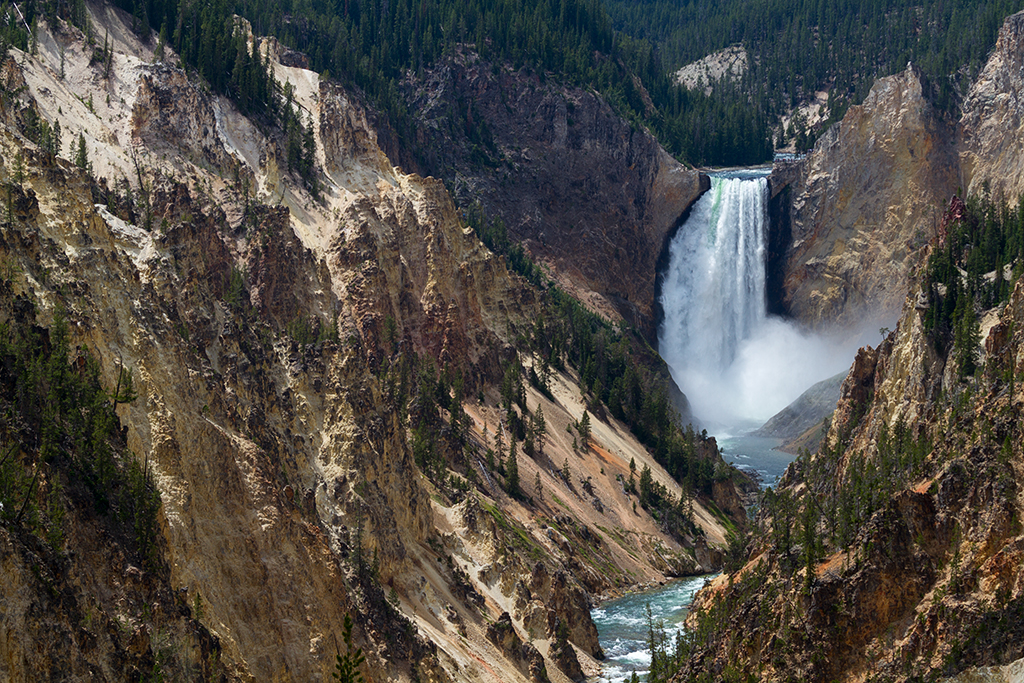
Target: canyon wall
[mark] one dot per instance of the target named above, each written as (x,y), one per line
(852,216)
(590,196)
(860,206)
(273,333)
(931,580)
(990,138)
(895,551)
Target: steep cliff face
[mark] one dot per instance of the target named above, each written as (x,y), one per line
(862,205)
(990,139)
(274,464)
(273,337)
(590,197)
(858,208)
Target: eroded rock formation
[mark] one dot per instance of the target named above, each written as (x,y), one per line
(267,331)
(862,204)
(856,211)
(990,139)
(942,536)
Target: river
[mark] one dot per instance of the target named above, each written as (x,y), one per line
(757,455)
(731,359)
(622,626)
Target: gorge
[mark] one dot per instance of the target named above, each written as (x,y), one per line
(305,352)
(289,401)
(867,547)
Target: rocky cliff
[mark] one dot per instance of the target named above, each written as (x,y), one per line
(860,207)
(990,141)
(805,413)
(918,517)
(284,349)
(894,552)
(590,196)
(857,210)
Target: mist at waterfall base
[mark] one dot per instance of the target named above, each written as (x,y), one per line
(737,365)
(772,367)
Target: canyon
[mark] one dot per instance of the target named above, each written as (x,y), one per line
(891,552)
(851,218)
(323,383)
(260,337)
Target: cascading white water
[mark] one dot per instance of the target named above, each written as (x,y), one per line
(713,293)
(737,365)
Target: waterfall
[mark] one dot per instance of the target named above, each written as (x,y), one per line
(713,292)
(737,365)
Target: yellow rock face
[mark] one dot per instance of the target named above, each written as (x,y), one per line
(870,196)
(990,135)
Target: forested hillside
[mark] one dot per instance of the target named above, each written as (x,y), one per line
(621,48)
(798,47)
(372,45)
(350,416)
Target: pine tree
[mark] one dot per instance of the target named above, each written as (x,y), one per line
(346,667)
(158,51)
(584,430)
(810,523)
(512,471)
(966,336)
(108,56)
(540,428)
(656,646)
(646,486)
(19,169)
(81,156)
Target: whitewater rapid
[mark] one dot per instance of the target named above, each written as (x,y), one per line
(622,626)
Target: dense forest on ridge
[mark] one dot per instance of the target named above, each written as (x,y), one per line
(624,50)
(375,45)
(797,47)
